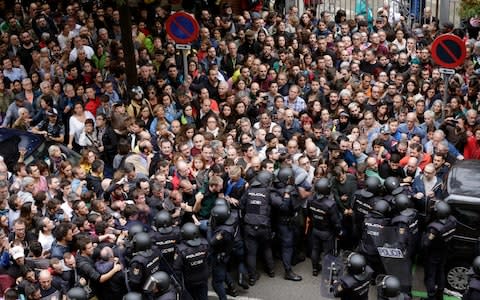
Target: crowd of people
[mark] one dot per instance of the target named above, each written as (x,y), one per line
(282,115)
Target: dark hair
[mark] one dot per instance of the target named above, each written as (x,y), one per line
(61,231)
(83,242)
(36,248)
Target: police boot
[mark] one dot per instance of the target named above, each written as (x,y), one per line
(316,270)
(231,290)
(242,281)
(290,275)
(271,273)
(252,279)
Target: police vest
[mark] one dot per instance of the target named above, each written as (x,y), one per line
(227,232)
(150,260)
(354,288)
(445,229)
(362,205)
(257,207)
(409,218)
(373,227)
(165,242)
(320,209)
(195,268)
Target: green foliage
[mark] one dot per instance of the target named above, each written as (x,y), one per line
(469,8)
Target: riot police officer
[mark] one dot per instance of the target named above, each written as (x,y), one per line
(238,251)
(364,200)
(473,291)
(159,287)
(354,284)
(145,262)
(166,235)
(405,222)
(392,189)
(435,243)
(286,200)
(326,224)
(256,208)
(374,223)
(129,247)
(221,243)
(191,262)
(389,288)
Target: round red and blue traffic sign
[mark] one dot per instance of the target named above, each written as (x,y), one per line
(448,51)
(182,28)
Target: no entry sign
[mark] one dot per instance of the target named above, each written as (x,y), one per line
(182,28)
(448,51)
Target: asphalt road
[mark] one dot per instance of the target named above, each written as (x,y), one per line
(308,289)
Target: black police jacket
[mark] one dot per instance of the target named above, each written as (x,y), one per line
(191,262)
(325,216)
(222,239)
(371,236)
(256,204)
(166,242)
(439,233)
(142,266)
(355,287)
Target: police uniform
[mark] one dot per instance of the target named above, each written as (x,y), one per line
(190,262)
(362,205)
(326,224)
(373,226)
(406,224)
(286,226)
(165,242)
(256,208)
(221,242)
(435,243)
(142,266)
(353,287)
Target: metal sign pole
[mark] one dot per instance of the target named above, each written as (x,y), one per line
(446,77)
(185,65)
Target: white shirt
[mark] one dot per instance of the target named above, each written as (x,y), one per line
(46,241)
(88,51)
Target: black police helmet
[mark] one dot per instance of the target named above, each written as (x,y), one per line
(476,265)
(221,201)
(382,207)
(189,231)
(356,263)
(162,280)
(142,241)
(263,178)
(77,293)
(390,286)
(391,183)
(373,184)
(442,210)
(220,213)
(132,231)
(163,219)
(285,175)
(322,186)
(402,202)
(132,296)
